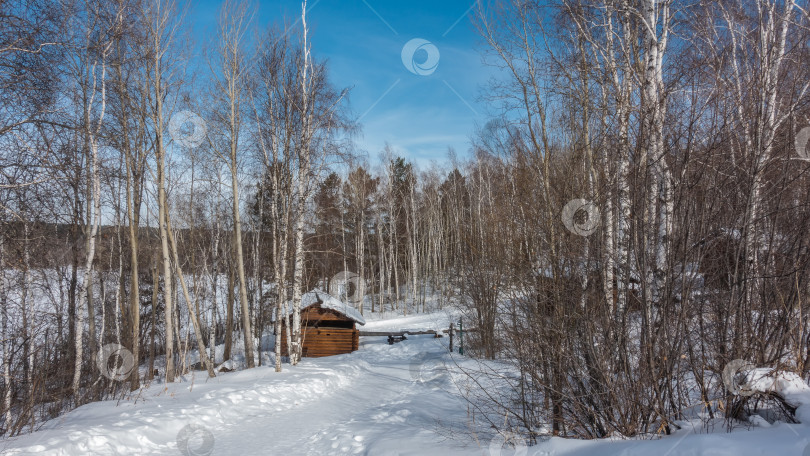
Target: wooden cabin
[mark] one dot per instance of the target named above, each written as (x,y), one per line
(329,326)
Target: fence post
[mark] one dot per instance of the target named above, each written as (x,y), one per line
(460,337)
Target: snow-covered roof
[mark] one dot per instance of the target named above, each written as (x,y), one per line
(328,301)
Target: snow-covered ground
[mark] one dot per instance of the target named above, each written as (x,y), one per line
(384,399)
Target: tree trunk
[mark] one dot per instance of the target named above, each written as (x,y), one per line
(229,315)
(5,339)
(94,219)
(168,297)
(150,374)
(304,162)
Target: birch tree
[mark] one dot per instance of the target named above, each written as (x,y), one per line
(304,156)
(96,78)
(274,108)
(231,83)
(161,20)
(5,337)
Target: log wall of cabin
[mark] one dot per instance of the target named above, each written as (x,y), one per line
(326,333)
(325,341)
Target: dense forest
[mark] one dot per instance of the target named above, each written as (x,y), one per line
(634,216)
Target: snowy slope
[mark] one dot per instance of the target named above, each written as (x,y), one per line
(381,400)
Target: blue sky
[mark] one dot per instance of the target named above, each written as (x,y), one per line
(419,115)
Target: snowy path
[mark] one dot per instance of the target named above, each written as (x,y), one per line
(369,402)
(377,408)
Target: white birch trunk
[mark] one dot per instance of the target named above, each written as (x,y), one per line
(214,293)
(414,247)
(303,178)
(26,308)
(160,154)
(94,219)
(4,338)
